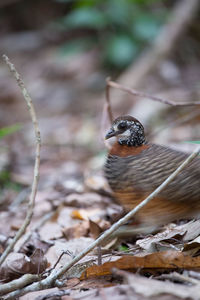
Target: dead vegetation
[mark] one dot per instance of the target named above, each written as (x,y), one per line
(62,254)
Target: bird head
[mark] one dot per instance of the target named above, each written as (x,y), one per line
(128,131)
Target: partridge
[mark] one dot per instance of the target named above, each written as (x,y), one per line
(135,168)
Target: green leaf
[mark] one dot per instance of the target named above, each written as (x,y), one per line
(146,27)
(123,248)
(85,17)
(9,130)
(120,51)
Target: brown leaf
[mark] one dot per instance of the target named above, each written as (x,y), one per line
(77,230)
(95,229)
(192,247)
(161,260)
(18,264)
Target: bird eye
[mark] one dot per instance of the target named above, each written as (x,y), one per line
(121,125)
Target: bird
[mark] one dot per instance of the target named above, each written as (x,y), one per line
(134,168)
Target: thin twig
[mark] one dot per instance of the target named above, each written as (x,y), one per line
(58,260)
(145,95)
(103,122)
(51,279)
(106,114)
(108,100)
(31,204)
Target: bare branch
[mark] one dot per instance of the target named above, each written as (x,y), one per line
(145,95)
(103,125)
(108,100)
(31,204)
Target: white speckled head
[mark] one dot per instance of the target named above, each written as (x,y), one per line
(128,130)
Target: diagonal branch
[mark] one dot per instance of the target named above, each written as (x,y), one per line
(134,92)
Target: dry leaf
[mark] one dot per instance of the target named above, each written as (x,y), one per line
(192,247)
(18,264)
(85,214)
(159,288)
(152,243)
(192,230)
(73,247)
(174,237)
(95,229)
(77,230)
(160,260)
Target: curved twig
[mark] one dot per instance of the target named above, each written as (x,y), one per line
(37,158)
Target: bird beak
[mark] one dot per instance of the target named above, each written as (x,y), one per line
(110,134)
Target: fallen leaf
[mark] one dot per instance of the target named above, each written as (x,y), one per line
(174,236)
(77,230)
(18,264)
(50,231)
(71,247)
(169,260)
(85,214)
(192,230)
(95,229)
(152,243)
(149,287)
(193,247)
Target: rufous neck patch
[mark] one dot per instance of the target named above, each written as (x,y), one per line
(124,150)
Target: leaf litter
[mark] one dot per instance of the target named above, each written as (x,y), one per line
(83,208)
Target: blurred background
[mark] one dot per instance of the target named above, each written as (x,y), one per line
(64,51)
